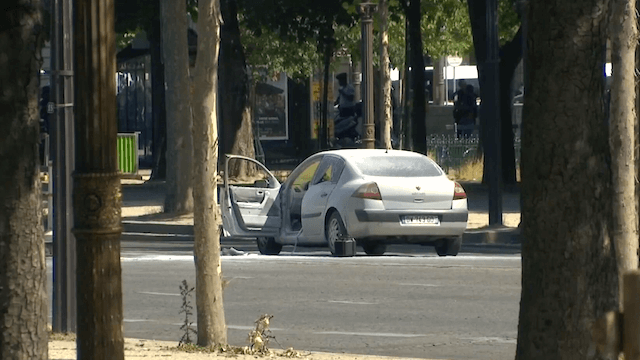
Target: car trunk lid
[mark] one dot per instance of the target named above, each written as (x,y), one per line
(420,193)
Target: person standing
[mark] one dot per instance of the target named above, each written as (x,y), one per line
(346,97)
(465,109)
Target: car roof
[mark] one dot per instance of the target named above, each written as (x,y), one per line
(356,153)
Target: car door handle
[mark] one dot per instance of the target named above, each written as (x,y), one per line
(323,195)
(260,192)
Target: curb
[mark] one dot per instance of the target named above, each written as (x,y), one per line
(500,235)
(487,235)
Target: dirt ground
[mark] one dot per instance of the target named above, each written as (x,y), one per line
(148,349)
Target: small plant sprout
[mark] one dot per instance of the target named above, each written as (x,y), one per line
(187,325)
(259,338)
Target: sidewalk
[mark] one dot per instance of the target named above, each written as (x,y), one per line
(63,349)
(143,202)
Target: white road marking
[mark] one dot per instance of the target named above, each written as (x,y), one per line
(458,261)
(232,327)
(157,235)
(137,320)
(368,334)
(425,285)
(156,293)
(479,340)
(351,302)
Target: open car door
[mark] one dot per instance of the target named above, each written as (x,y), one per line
(249,206)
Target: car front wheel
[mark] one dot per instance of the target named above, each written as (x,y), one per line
(449,247)
(268,246)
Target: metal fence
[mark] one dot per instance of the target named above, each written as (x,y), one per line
(452,152)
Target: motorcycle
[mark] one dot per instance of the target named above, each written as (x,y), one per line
(347,128)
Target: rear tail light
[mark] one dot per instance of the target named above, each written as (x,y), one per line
(458,192)
(368,191)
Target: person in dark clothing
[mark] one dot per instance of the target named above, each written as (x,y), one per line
(465,109)
(346,97)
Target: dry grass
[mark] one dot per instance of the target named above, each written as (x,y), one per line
(471,170)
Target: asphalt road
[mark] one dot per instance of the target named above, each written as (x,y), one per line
(408,303)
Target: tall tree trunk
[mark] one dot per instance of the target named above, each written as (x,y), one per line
(405,134)
(323,135)
(159,170)
(212,329)
(418,112)
(439,96)
(477,15)
(237,128)
(385,75)
(510,56)
(97,195)
(23,275)
(622,136)
(175,51)
(568,259)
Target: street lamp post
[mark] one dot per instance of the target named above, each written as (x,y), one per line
(62,124)
(366,13)
(490,109)
(97,196)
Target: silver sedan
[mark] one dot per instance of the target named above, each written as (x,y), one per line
(376,197)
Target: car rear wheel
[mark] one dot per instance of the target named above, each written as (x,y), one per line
(374,248)
(268,246)
(334,230)
(450,247)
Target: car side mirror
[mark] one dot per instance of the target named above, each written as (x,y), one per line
(261,183)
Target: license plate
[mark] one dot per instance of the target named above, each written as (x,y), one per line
(420,220)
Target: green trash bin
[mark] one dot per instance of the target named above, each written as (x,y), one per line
(128,153)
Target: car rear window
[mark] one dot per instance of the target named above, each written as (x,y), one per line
(400,166)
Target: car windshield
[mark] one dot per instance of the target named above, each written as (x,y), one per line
(401,166)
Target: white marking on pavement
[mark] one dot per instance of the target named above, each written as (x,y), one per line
(158,258)
(315,258)
(351,302)
(368,334)
(478,340)
(156,293)
(426,285)
(138,320)
(157,235)
(233,327)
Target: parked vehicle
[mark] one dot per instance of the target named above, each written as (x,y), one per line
(375,196)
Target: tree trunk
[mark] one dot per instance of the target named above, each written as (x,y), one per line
(437,87)
(23,275)
(175,51)
(97,196)
(237,127)
(405,134)
(385,76)
(159,170)
(510,56)
(324,121)
(622,136)
(212,329)
(418,111)
(568,257)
